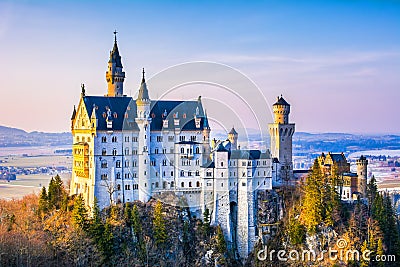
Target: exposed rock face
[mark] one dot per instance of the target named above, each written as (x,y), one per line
(270,212)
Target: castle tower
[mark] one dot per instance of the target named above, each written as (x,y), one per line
(233,138)
(143,121)
(281,133)
(114,75)
(362,164)
(206,140)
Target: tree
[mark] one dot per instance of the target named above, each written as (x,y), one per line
(312,213)
(206,222)
(43,202)
(159,225)
(296,232)
(56,192)
(110,187)
(79,213)
(221,244)
(136,223)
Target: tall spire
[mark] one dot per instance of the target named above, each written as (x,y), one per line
(115,76)
(143,92)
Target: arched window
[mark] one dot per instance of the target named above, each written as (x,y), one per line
(197,150)
(103,152)
(182,173)
(190,184)
(182,184)
(104,139)
(172,184)
(114,152)
(118,175)
(118,187)
(197,184)
(118,164)
(182,150)
(156,184)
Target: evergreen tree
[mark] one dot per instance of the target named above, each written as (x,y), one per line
(221,244)
(364,262)
(79,213)
(296,232)
(136,223)
(159,225)
(43,202)
(128,214)
(312,212)
(206,222)
(56,192)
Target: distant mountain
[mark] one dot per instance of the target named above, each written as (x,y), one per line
(9,130)
(13,137)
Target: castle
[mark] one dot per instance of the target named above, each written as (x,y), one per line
(350,185)
(127,149)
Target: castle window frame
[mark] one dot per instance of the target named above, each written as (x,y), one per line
(159,138)
(114,139)
(197,184)
(118,187)
(157,184)
(135,186)
(104,139)
(172,173)
(189,173)
(171,138)
(104,176)
(190,184)
(197,173)
(118,164)
(134,139)
(182,173)
(197,150)
(172,184)
(114,152)
(127,187)
(183,184)
(118,175)
(164,162)
(104,164)
(156,151)
(103,152)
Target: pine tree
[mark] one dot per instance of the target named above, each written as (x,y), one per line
(206,222)
(128,214)
(79,213)
(159,225)
(136,223)
(221,244)
(312,212)
(43,202)
(56,192)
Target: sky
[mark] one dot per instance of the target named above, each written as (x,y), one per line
(336,62)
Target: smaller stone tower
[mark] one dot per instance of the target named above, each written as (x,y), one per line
(114,75)
(362,164)
(281,133)
(233,138)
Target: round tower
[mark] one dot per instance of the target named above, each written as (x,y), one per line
(362,164)
(233,137)
(281,111)
(114,75)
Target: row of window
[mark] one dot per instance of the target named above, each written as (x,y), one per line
(83,139)
(159,138)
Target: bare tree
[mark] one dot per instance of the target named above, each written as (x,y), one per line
(110,186)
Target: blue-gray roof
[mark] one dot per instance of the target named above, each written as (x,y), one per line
(123,112)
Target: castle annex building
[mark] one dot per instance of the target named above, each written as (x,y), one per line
(127,149)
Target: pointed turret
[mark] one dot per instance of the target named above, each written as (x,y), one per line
(115,76)
(233,138)
(73,114)
(143,92)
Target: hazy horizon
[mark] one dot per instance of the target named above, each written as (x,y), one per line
(335,62)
